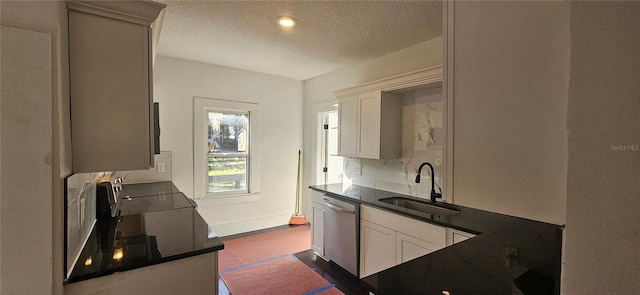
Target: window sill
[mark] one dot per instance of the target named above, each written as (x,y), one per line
(216,200)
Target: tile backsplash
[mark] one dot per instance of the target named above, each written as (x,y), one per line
(422,141)
(160,172)
(81,212)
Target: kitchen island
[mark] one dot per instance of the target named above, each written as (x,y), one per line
(484,264)
(156,243)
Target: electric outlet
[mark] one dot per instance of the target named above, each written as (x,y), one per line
(357,170)
(512,251)
(511,256)
(160,168)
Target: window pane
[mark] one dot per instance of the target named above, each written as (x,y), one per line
(227,174)
(228,132)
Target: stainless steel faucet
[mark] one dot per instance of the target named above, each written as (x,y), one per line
(433,195)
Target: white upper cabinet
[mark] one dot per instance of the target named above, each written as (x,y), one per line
(370,115)
(379,125)
(347,120)
(112,118)
(369,126)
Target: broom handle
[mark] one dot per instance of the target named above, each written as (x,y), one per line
(298,186)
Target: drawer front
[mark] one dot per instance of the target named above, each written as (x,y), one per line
(316,196)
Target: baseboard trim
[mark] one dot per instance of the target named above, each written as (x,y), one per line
(243,226)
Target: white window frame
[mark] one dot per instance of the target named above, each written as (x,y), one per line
(246,154)
(201,106)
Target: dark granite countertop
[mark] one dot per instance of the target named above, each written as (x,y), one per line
(148,189)
(155,224)
(475,266)
(161,202)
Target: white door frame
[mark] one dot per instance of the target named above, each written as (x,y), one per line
(317,163)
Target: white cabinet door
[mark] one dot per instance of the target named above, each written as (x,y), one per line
(378,248)
(369,112)
(455,236)
(408,248)
(110,85)
(317,229)
(390,139)
(347,126)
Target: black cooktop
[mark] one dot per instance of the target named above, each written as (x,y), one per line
(155,224)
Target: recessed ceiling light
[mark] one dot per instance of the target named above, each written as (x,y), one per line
(287,21)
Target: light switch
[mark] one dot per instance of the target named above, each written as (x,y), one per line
(160,168)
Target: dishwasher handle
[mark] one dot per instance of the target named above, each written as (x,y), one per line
(338,208)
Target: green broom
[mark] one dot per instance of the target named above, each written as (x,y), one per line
(297,218)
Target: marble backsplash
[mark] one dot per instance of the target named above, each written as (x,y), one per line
(422,141)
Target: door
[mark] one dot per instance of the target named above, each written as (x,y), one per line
(109,69)
(317,229)
(368,127)
(408,248)
(347,121)
(378,251)
(330,162)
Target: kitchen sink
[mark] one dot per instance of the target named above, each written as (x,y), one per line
(421,206)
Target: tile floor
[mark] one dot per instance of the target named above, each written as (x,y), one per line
(344,281)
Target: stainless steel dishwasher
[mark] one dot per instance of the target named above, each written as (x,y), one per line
(341,232)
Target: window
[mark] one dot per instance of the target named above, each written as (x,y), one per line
(228,154)
(225,151)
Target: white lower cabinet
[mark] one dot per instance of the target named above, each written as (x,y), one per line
(191,275)
(317,223)
(388,239)
(317,229)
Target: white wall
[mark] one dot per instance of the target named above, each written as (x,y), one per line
(603,190)
(319,90)
(26,142)
(177,81)
(46,255)
(561,80)
(510,89)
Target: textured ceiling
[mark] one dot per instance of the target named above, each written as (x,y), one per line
(329,35)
